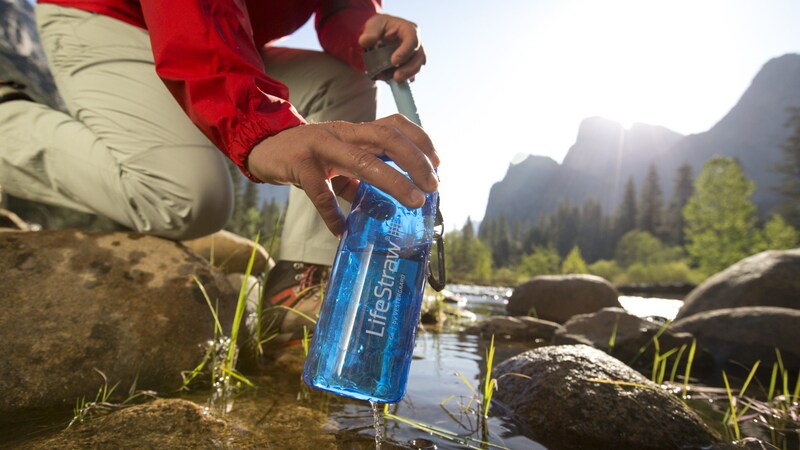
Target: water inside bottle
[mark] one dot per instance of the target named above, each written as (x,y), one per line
(369,318)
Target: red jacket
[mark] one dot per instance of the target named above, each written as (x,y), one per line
(206,53)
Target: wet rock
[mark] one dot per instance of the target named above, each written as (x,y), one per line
(558,297)
(564,409)
(124,304)
(231,252)
(741,336)
(770,278)
(633,339)
(515,328)
(159,424)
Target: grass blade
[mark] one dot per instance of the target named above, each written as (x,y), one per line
(689,362)
(733,417)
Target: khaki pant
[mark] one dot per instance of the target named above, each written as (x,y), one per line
(127,151)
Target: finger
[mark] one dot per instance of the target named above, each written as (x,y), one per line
(373,135)
(345,187)
(411,67)
(319,190)
(402,151)
(385,137)
(374,30)
(406,33)
(415,134)
(356,162)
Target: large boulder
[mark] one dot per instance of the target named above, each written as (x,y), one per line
(770,278)
(633,339)
(565,408)
(738,337)
(558,297)
(124,304)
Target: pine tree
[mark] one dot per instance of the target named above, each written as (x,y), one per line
(720,217)
(790,168)
(627,211)
(779,235)
(468,259)
(469,230)
(651,203)
(680,196)
(566,218)
(574,263)
(591,233)
(501,245)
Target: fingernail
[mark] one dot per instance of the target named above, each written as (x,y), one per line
(417,197)
(435,179)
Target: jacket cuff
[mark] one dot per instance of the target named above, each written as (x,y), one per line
(254,130)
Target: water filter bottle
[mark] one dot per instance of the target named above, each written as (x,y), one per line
(364,338)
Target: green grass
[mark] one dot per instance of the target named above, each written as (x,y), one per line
(688,371)
(489,384)
(102,403)
(732,409)
(612,340)
(221,357)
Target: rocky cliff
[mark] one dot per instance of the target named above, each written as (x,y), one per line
(605,154)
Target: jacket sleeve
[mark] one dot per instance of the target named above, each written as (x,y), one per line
(205,54)
(339,23)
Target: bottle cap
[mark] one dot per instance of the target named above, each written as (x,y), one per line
(379,60)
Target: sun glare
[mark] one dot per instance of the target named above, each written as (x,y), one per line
(619,58)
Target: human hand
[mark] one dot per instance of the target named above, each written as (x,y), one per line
(409,57)
(325,159)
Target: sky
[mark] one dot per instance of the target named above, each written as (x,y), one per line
(516,77)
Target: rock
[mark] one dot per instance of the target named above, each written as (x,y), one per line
(633,339)
(515,328)
(231,252)
(558,297)
(125,304)
(770,278)
(746,335)
(158,424)
(565,410)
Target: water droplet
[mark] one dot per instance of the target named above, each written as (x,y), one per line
(422,444)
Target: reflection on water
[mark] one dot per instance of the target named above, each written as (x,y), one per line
(436,396)
(490,301)
(645,306)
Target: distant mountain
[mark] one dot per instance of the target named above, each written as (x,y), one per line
(753,131)
(605,154)
(517,191)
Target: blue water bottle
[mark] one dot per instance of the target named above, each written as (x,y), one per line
(364,338)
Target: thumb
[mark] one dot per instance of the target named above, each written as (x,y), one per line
(374,29)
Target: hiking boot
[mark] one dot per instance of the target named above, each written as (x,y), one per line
(292,299)
(12,90)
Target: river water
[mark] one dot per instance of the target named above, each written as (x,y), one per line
(437,396)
